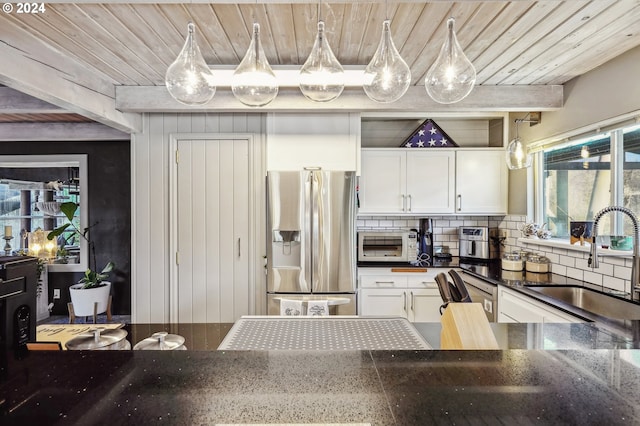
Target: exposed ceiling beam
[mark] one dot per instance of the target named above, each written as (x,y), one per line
(14,102)
(59,132)
(22,70)
(482,98)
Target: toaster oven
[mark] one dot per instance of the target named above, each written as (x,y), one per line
(387,246)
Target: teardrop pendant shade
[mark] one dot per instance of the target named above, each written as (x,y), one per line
(254,82)
(387,77)
(321,76)
(188,79)
(517,156)
(452,76)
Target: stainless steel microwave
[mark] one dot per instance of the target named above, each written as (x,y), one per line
(387,246)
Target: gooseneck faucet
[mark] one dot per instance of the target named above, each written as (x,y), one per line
(593,255)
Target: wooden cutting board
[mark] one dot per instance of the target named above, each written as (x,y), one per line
(408,269)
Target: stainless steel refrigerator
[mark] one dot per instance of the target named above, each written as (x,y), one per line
(311,240)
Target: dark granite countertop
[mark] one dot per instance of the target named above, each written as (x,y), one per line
(590,378)
(628,329)
(587,387)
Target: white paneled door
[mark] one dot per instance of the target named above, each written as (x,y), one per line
(211,230)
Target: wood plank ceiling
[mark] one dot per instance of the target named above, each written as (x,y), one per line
(509,42)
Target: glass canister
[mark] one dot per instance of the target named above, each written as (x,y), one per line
(512,262)
(538,264)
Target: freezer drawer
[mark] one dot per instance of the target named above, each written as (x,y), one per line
(339,304)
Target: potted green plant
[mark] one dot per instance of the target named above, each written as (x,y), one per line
(92,287)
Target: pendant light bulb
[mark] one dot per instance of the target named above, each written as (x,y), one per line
(188,79)
(516,154)
(253,82)
(321,76)
(452,76)
(387,77)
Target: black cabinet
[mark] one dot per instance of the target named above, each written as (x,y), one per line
(18,282)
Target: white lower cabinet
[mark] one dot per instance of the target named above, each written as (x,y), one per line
(414,296)
(517,307)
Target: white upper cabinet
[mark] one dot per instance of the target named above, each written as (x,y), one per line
(433,181)
(297,140)
(430,181)
(383,182)
(481,181)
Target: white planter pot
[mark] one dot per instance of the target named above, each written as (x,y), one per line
(84,299)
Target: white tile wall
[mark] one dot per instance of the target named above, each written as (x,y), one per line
(613,272)
(445,228)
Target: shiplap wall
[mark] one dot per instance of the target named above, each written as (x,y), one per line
(150,158)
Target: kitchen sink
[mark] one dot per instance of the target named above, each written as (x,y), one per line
(591,301)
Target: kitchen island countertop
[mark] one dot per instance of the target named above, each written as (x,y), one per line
(372,387)
(589,379)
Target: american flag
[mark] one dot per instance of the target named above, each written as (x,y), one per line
(429,135)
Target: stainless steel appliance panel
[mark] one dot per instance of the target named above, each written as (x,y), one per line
(311,245)
(484,293)
(475,242)
(288,236)
(347,302)
(334,236)
(387,246)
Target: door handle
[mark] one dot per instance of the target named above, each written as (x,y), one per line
(405,301)
(409,203)
(239,251)
(412,301)
(404,203)
(459,202)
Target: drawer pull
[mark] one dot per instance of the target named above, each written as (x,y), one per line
(385,282)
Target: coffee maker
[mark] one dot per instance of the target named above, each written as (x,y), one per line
(426,242)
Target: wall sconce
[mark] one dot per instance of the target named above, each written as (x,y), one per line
(516,154)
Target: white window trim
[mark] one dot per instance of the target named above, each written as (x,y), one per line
(564,244)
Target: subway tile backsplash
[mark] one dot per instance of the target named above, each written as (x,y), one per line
(613,272)
(445,228)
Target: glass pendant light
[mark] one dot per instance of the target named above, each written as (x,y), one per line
(189,79)
(253,82)
(516,154)
(451,78)
(387,77)
(321,76)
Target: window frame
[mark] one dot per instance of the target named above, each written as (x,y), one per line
(616,144)
(56,160)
